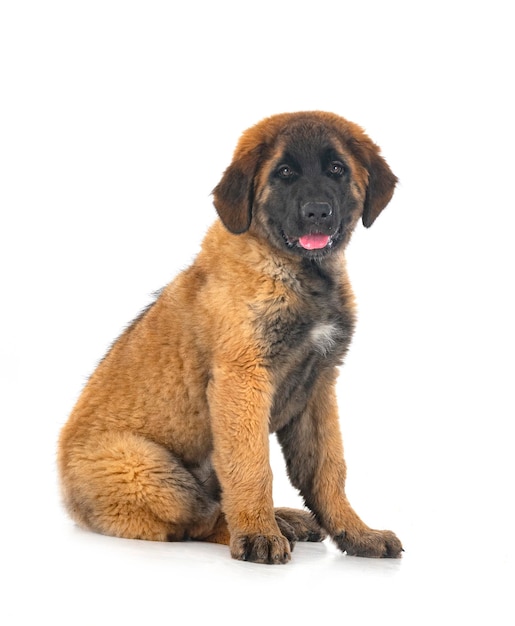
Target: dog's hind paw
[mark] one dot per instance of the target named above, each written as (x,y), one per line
(298,525)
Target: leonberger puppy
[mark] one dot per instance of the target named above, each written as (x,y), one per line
(170,437)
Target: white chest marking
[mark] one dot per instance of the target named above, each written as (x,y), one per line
(323,337)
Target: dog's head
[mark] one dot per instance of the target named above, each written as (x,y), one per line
(303,180)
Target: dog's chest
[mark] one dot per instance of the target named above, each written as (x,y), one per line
(304,333)
(324,337)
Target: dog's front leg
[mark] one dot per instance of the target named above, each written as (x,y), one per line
(313,450)
(239,403)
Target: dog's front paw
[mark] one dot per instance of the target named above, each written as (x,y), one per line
(371,543)
(271,549)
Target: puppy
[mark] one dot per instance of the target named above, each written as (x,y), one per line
(169,439)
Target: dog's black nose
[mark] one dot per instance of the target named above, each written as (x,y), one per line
(316,212)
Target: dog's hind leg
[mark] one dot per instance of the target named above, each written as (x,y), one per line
(121,484)
(294,524)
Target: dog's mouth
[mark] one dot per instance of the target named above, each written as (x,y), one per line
(311,242)
(314,241)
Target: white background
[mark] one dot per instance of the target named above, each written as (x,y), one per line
(117,120)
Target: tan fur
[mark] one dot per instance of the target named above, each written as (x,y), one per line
(182,403)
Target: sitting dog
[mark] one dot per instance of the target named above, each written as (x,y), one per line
(169,439)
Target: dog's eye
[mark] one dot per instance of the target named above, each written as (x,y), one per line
(336,168)
(285,171)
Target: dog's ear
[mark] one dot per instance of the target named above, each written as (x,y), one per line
(381,185)
(234,194)
(381,180)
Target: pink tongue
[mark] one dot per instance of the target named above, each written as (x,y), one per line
(314,242)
